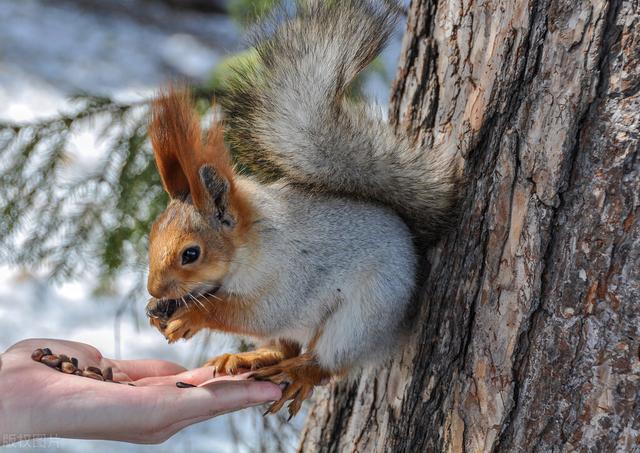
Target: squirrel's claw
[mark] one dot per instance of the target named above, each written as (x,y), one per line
(295,391)
(300,375)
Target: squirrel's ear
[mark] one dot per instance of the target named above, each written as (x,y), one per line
(218,189)
(217,178)
(173,129)
(189,164)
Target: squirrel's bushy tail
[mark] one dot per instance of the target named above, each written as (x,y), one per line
(288,114)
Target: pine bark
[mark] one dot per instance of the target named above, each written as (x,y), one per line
(528,333)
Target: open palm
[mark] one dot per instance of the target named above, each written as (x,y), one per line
(40,401)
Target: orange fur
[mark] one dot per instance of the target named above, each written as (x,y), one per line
(228,314)
(316,337)
(181,150)
(217,155)
(300,374)
(174,130)
(270,354)
(167,239)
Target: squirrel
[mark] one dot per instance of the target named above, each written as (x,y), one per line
(313,253)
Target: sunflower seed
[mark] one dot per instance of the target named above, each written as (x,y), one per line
(67,367)
(37,354)
(94,369)
(92,375)
(51,360)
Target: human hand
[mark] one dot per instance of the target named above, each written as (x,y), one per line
(38,401)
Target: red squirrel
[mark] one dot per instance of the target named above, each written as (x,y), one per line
(313,253)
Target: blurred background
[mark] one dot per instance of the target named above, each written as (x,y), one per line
(78,185)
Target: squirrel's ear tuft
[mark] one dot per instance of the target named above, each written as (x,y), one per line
(175,134)
(171,128)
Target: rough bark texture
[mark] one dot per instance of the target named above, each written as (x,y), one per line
(528,337)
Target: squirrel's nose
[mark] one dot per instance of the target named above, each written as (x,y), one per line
(155,293)
(156,288)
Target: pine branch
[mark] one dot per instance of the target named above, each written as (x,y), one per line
(64,222)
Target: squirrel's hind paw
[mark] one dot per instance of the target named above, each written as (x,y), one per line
(300,375)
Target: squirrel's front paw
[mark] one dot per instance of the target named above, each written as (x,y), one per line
(251,360)
(180,328)
(173,321)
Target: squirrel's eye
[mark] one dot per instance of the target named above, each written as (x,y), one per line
(190,255)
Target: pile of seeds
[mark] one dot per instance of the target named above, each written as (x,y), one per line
(69,365)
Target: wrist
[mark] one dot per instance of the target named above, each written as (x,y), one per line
(16,420)
(8,426)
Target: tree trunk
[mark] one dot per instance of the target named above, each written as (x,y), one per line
(528,333)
